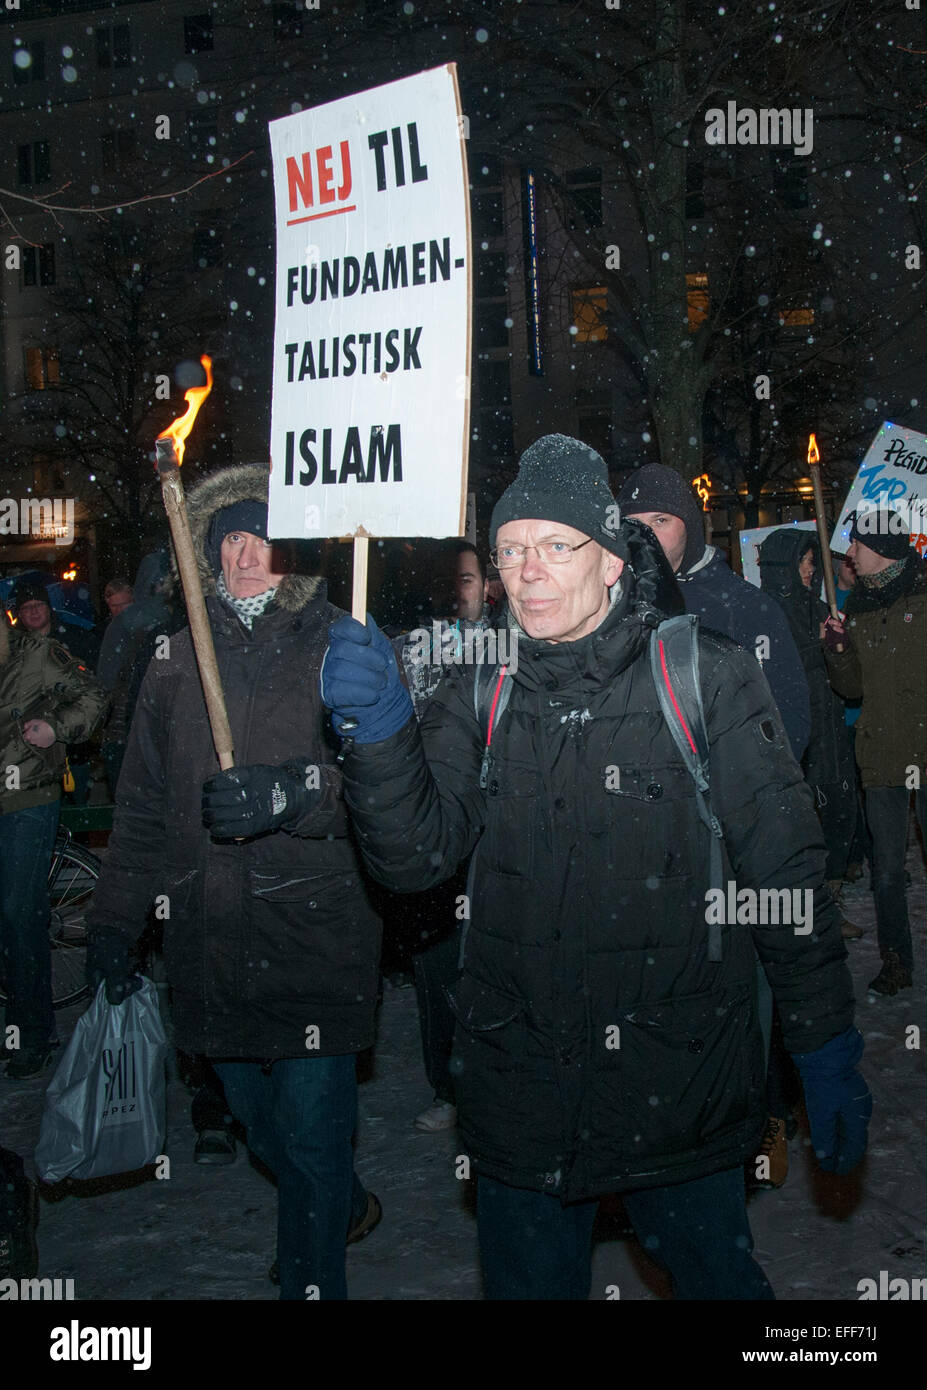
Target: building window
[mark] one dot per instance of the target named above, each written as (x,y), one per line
(38,265)
(207,241)
(29,63)
(41,365)
(584,193)
(113,47)
(796,318)
(33,162)
(197,33)
(696,300)
(288,20)
(202,132)
(590,307)
(118,149)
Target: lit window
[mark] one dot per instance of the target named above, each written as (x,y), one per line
(797,318)
(696,300)
(590,308)
(41,367)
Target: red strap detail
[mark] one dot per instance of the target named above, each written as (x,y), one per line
(495,701)
(666,680)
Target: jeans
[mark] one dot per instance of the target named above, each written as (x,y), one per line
(299,1117)
(435,973)
(887,815)
(27,839)
(533,1247)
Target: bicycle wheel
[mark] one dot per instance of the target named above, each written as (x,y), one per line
(71,881)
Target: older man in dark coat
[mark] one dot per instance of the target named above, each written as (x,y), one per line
(271,945)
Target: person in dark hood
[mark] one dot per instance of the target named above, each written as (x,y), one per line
(663,500)
(790,571)
(270,944)
(607,1035)
(879,654)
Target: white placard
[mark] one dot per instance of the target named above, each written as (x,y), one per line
(892,477)
(371,376)
(750,542)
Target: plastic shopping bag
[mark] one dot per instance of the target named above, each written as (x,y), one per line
(105,1105)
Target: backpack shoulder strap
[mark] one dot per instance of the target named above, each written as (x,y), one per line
(492,686)
(674,666)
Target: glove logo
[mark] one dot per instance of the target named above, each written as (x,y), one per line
(277,799)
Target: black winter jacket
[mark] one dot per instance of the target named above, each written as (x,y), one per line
(829,757)
(270,937)
(599,1049)
(726,602)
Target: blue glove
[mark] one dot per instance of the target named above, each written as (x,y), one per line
(837,1100)
(360,683)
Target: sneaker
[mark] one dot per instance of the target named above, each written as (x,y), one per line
(892,977)
(214,1146)
(370,1219)
(775,1150)
(30,1062)
(441,1114)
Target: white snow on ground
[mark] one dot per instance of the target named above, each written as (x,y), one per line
(209,1233)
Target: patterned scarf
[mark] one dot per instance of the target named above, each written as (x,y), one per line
(884,577)
(247,609)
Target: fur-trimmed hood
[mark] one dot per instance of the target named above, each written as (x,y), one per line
(241,483)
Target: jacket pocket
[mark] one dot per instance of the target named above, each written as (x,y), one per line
(690,1069)
(305,937)
(489,1016)
(647,815)
(507,843)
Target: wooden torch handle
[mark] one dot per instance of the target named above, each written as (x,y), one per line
(830,587)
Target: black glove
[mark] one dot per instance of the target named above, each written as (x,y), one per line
(108,959)
(249,800)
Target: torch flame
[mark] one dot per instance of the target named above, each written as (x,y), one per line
(181,427)
(702,485)
(813,454)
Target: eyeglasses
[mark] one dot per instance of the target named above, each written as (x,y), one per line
(506,557)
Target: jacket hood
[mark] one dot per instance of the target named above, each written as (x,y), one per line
(243,483)
(780,554)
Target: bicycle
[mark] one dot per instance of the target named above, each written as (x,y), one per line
(72,875)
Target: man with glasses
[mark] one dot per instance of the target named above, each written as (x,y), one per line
(605,1043)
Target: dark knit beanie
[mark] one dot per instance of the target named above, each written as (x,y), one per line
(562,479)
(657,488)
(28,590)
(886,533)
(250,516)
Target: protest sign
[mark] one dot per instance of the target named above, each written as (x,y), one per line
(891,477)
(370,418)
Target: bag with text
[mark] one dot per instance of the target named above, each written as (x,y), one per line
(105,1105)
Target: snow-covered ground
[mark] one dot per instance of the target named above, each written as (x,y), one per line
(208,1233)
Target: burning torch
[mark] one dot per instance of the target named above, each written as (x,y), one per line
(702,485)
(814,468)
(169,448)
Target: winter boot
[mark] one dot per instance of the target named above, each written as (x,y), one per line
(19,1216)
(848,930)
(771,1165)
(892,977)
(854,872)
